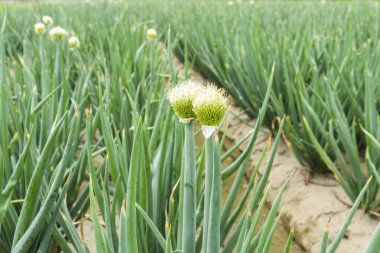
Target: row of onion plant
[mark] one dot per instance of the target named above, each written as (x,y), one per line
(325,81)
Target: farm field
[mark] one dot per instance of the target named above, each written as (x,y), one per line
(190,126)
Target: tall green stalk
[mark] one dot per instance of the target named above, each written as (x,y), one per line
(189,209)
(209,143)
(131,192)
(213,237)
(44,92)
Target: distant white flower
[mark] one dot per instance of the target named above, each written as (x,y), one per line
(74,43)
(57,33)
(230,2)
(39,28)
(151,34)
(47,20)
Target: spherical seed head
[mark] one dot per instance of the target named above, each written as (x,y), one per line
(74,42)
(57,33)
(39,28)
(151,34)
(182,96)
(210,106)
(47,20)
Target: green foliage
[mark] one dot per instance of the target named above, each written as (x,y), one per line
(325,80)
(90,131)
(47,148)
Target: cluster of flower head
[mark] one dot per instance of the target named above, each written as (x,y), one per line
(56,33)
(191,100)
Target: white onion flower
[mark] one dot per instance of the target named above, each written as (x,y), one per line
(57,33)
(74,42)
(151,34)
(47,20)
(39,28)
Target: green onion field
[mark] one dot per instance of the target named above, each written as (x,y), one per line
(189,126)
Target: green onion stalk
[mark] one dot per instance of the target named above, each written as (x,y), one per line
(189,207)
(208,104)
(135,164)
(57,34)
(181,98)
(210,143)
(40,30)
(213,229)
(73,49)
(210,107)
(151,36)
